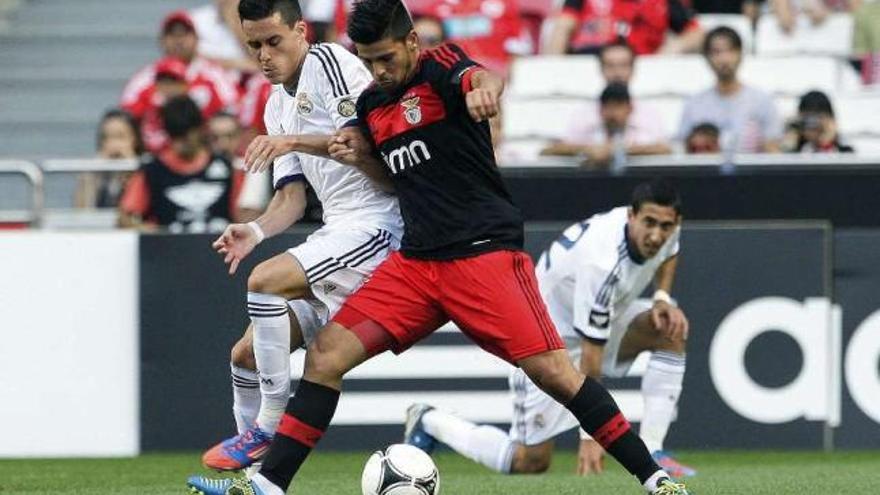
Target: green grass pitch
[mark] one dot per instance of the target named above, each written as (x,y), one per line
(771,473)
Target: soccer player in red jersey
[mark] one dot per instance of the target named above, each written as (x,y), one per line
(461,257)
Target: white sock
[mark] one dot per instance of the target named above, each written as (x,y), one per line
(245,396)
(265,485)
(272,353)
(487,445)
(661,387)
(651,483)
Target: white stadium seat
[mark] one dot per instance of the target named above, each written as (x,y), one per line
(739,23)
(669,110)
(793,75)
(831,37)
(545,118)
(856,115)
(572,75)
(663,75)
(865,146)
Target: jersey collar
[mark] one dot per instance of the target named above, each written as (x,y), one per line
(630,248)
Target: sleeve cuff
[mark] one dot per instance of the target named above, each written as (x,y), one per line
(351,123)
(288,179)
(592,340)
(466,79)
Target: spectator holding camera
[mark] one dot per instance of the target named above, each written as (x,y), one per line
(814,130)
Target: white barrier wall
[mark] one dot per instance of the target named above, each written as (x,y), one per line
(69,360)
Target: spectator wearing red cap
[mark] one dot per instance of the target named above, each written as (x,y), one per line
(180,71)
(585,26)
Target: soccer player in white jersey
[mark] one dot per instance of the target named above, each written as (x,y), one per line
(590,279)
(293,294)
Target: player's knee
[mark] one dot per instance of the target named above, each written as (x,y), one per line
(530,461)
(322,362)
(555,376)
(242,355)
(676,345)
(260,280)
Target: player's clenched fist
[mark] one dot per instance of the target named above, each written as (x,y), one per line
(263,151)
(482,104)
(349,146)
(237,241)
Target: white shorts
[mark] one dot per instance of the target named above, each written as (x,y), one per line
(337,261)
(537,417)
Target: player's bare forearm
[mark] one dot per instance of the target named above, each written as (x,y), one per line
(484,99)
(489,81)
(263,150)
(665,275)
(286,208)
(591,359)
(311,144)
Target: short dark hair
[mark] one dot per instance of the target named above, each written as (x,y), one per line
(374,20)
(658,191)
(118,113)
(618,43)
(615,92)
(706,128)
(257,10)
(722,32)
(815,102)
(180,115)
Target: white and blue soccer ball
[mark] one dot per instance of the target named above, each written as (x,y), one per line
(400,470)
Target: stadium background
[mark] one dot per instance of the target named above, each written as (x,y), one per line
(132,330)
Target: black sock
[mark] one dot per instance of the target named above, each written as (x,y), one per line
(599,416)
(307,415)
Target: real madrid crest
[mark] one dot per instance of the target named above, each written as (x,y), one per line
(346,107)
(412,112)
(303,105)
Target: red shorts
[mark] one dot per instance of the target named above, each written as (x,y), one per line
(493,298)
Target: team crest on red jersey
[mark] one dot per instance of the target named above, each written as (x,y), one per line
(412,112)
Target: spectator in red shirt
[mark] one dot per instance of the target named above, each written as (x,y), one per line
(585,26)
(489,31)
(180,70)
(186,187)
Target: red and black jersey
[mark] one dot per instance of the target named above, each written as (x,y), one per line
(452,199)
(642,23)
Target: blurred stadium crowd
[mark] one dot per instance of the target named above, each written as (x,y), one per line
(594,81)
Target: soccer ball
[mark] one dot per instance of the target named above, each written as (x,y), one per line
(400,470)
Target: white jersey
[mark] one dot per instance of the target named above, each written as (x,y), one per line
(589,277)
(330,82)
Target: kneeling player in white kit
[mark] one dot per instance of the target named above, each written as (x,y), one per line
(590,278)
(294,294)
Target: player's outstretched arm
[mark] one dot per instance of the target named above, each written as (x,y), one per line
(350,147)
(239,239)
(263,150)
(484,99)
(667,318)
